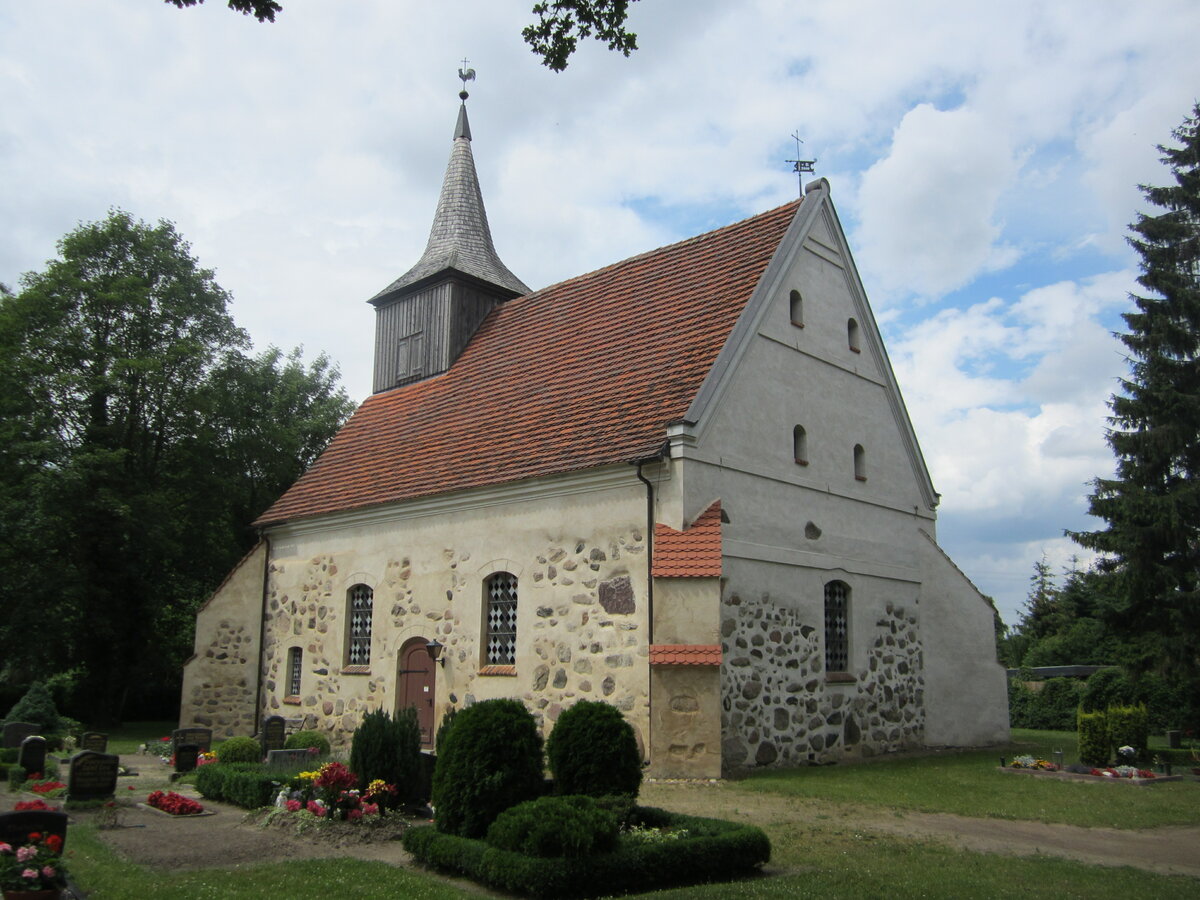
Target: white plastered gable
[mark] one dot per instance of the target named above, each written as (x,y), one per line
(813,249)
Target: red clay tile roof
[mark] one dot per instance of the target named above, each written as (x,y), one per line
(580,374)
(685,654)
(692,553)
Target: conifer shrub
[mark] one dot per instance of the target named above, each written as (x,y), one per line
(36,708)
(1128,726)
(388,749)
(306,740)
(490,760)
(554,827)
(239,750)
(444,727)
(592,750)
(1093,738)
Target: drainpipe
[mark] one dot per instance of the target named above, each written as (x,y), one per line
(663,453)
(262,634)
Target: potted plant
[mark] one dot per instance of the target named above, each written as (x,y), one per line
(33,869)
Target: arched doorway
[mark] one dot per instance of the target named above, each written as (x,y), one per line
(416,679)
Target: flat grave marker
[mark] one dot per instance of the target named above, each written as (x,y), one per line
(93,775)
(284,758)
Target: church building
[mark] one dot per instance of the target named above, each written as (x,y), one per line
(685,484)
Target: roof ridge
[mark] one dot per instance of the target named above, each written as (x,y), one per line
(675,245)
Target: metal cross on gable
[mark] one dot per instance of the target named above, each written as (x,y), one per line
(801,167)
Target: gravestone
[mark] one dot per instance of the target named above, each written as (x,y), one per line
(94,740)
(15,732)
(285,758)
(274,733)
(93,775)
(15,827)
(186,756)
(32,757)
(202,737)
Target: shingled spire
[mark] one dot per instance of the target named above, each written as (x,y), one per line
(460,238)
(426,316)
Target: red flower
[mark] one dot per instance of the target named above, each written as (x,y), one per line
(55,843)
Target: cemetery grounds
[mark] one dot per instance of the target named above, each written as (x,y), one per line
(922,825)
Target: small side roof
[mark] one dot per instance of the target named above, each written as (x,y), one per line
(694,552)
(584,373)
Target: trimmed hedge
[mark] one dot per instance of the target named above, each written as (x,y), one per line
(243,784)
(592,750)
(389,749)
(1129,726)
(1093,738)
(555,827)
(713,851)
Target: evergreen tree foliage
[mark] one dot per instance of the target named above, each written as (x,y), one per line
(36,708)
(388,749)
(1151,542)
(137,441)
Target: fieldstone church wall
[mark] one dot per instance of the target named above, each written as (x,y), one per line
(778,708)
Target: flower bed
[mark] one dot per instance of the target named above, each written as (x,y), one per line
(174,804)
(1116,775)
(35,865)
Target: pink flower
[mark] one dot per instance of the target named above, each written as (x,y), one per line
(370,809)
(48,872)
(293,805)
(30,874)
(354,815)
(5,848)
(316,808)
(24,854)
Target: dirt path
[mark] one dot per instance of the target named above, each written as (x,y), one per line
(227,840)
(1171,850)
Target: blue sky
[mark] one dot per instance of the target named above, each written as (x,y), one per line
(983,159)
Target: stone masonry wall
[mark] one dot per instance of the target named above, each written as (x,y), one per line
(224,699)
(778,708)
(580,634)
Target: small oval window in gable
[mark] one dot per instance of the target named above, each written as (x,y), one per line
(800,445)
(852,336)
(796,305)
(860,462)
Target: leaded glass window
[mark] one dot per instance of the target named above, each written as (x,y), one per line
(837,626)
(360,601)
(500,591)
(295,667)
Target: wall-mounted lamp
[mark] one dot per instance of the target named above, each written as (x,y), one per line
(434,649)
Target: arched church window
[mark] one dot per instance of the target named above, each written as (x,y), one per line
(359,602)
(837,627)
(295,669)
(500,594)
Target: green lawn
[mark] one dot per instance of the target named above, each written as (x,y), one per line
(968,784)
(822,860)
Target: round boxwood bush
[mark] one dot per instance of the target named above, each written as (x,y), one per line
(489,761)
(592,750)
(555,826)
(239,749)
(305,740)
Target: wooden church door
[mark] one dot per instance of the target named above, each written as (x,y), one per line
(417,685)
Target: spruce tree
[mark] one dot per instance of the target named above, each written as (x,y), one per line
(1151,544)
